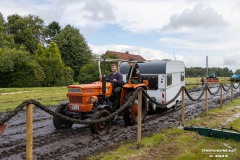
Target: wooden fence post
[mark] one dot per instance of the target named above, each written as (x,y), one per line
(231,92)
(206,99)
(139,132)
(183,105)
(221,102)
(29,132)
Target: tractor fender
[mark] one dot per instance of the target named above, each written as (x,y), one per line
(135,86)
(104,106)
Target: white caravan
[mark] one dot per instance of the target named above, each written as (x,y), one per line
(165,78)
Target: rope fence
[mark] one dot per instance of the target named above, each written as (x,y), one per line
(137,93)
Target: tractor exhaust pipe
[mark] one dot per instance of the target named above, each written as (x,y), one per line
(104,84)
(104,78)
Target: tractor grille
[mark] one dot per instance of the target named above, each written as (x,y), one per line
(75,99)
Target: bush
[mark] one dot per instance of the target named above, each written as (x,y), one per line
(56,74)
(19,69)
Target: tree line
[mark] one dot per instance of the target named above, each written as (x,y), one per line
(35,54)
(199,71)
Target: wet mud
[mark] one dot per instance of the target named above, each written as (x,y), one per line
(78,142)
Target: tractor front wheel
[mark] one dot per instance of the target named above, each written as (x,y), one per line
(61,123)
(100,128)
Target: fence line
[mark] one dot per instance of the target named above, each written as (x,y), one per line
(138,93)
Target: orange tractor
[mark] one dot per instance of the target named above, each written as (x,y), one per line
(95,101)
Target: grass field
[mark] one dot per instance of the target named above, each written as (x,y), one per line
(11,97)
(178,144)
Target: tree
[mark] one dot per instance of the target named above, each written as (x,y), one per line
(74,49)
(6,40)
(27,30)
(89,73)
(56,74)
(237,71)
(198,71)
(19,69)
(51,30)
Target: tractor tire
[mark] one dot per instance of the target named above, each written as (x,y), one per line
(130,113)
(102,127)
(61,123)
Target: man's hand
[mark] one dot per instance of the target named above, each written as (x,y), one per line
(114,80)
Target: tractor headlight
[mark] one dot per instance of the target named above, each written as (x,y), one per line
(93,99)
(75,90)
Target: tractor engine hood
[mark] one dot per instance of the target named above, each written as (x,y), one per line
(94,88)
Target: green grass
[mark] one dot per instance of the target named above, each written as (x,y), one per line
(178,144)
(194,80)
(45,95)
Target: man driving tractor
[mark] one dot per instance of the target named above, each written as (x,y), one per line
(116,79)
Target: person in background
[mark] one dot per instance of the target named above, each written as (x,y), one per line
(136,78)
(202,80)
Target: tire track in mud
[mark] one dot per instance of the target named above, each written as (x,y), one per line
(78,142)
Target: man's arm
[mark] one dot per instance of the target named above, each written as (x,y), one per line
(119,80)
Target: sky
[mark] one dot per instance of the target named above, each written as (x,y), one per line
(188,30)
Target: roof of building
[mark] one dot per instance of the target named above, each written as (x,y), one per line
(125,56)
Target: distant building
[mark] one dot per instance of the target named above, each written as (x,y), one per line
(125,56)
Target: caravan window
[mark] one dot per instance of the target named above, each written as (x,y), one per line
(152,81)
(169,79)
(182,76)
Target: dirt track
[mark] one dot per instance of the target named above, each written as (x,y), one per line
(78,142)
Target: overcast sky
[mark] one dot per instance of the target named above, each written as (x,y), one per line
(155,29)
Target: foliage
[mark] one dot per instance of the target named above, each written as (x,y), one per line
(51,30)
(6,40)
(18,69)
(198,71)
(56,74)
(74,49)
(89,73)
(27,30)
(237,71)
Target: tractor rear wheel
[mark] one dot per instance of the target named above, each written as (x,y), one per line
(61,123)
(130,114)
(100,128)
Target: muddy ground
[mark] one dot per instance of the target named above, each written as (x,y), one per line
(78,142)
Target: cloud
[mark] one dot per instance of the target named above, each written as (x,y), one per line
(232,59)
(100,10)
(197,17)
(52,10)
